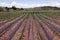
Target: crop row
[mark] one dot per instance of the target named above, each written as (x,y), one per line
(30,26)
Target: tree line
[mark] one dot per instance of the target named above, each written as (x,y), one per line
(47,8)
(8,9)
(36,8)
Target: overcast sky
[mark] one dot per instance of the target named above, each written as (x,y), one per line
(29,3)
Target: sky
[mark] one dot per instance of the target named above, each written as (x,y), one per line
(29,3)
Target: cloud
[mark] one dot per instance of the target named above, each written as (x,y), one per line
(21,5)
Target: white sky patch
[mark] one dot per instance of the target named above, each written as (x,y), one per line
(21,5)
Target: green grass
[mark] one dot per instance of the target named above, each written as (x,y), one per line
(9,15)
(15,14)
(51,13)
(35,11)
(55,15)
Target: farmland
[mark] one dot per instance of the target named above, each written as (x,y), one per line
(30,25)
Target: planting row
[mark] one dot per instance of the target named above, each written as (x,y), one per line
(30,26)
